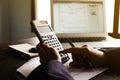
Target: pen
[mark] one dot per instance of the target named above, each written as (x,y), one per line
(83,56)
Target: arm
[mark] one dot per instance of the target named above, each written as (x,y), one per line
(108,57)
(96,57)
(51,67)
(112,57)
(52,70)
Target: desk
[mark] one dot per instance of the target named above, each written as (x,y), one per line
(10,61)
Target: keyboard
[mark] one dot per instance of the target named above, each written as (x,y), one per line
(82,39)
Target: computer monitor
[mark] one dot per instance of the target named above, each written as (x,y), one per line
(78,19)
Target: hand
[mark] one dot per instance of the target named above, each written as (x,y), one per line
(96,57)
(47,53)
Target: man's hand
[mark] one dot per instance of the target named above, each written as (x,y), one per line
(47,53)
(96,57)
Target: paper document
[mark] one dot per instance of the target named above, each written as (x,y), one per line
(77,74)
(82,73)
(29,66)
(24,49)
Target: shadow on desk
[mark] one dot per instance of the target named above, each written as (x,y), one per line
(10,60)
(107,75)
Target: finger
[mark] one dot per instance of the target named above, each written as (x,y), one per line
(71,50)
(44,46)
(39,47)
(54,53)
(76,53)
(76,57)
(85,46)
(41,50)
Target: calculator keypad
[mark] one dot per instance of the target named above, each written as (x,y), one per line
(52,40)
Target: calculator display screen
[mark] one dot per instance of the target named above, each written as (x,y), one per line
(44,29)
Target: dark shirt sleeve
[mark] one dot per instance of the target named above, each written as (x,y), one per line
(112,57)
(52,70)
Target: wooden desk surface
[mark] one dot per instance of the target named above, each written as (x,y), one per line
(10,60)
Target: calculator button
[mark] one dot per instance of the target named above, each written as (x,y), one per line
(58,49)
(42,36)
(44,40)
(49,37)
(61,54)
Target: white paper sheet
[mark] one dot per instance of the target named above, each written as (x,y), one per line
(29,66)
(24,49)
(77,74)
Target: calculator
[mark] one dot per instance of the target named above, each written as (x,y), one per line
(46,35)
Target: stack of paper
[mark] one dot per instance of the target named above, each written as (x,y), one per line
(24,50)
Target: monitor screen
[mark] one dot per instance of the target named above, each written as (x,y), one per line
(79,19)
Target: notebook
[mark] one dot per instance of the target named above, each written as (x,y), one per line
(23,50)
